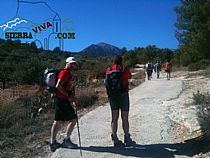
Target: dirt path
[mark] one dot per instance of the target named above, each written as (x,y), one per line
(150,125)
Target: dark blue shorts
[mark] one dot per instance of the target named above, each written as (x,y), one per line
(120,102)
(63,110)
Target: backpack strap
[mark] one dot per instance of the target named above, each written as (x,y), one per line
(110,69)
(121,68)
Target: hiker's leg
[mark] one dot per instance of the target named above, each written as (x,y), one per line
(125,123)
(169,75)
(70,128)
(114,123)
(148,74)
(127,139)
(54,130)
(124,112)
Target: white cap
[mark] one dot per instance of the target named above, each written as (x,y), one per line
(70,60)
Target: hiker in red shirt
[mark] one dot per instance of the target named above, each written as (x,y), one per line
(120,102)
(168,68)
(64,106)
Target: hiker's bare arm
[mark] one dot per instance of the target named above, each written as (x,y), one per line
(59,86)
(129,75)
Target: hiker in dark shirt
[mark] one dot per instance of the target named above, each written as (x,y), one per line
(157,68)
(149,70)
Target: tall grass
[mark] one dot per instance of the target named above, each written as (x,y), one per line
(27,122)
(20,123)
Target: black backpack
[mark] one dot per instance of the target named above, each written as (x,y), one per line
(113,82)
(149,66)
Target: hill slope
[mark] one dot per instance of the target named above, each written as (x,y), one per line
(101,49)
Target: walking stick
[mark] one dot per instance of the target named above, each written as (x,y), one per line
(73,91)
(78,130)
(78,133)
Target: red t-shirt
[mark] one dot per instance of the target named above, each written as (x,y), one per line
(126,74)
(165,66)
(65,76)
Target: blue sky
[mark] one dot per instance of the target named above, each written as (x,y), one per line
(123,23)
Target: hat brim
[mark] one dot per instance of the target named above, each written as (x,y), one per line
(71,62)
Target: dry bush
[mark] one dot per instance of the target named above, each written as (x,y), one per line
(203,102)
(20,125)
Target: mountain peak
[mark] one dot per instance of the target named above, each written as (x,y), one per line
(101,49)
(102,43)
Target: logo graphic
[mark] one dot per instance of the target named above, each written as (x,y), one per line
(4,26)
(47,32)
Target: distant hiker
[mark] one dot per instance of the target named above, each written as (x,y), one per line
(168,68)
(157,68)
(149,70)
(117,89)
(64,106)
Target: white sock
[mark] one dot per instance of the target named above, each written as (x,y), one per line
(67,137)
(52,141)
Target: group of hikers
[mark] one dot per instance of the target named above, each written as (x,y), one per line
(150,67)
(117,87)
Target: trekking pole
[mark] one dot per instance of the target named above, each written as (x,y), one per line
(73,92)
(78,133)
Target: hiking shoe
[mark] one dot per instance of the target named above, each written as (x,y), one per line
(117,142)
(67,143)
(128,141)
(55,145)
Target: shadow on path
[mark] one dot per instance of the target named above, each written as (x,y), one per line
(188,148)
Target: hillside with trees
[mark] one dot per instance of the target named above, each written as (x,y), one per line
(151,53)
(193,33)
(24,63)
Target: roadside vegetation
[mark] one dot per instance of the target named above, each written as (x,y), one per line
(193,34)
(202,100)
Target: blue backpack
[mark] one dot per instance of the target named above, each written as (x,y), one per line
(113,82)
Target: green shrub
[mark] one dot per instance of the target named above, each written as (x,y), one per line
(203,100)
(198,98)
(202,64)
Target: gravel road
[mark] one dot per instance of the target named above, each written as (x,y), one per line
(150,126)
